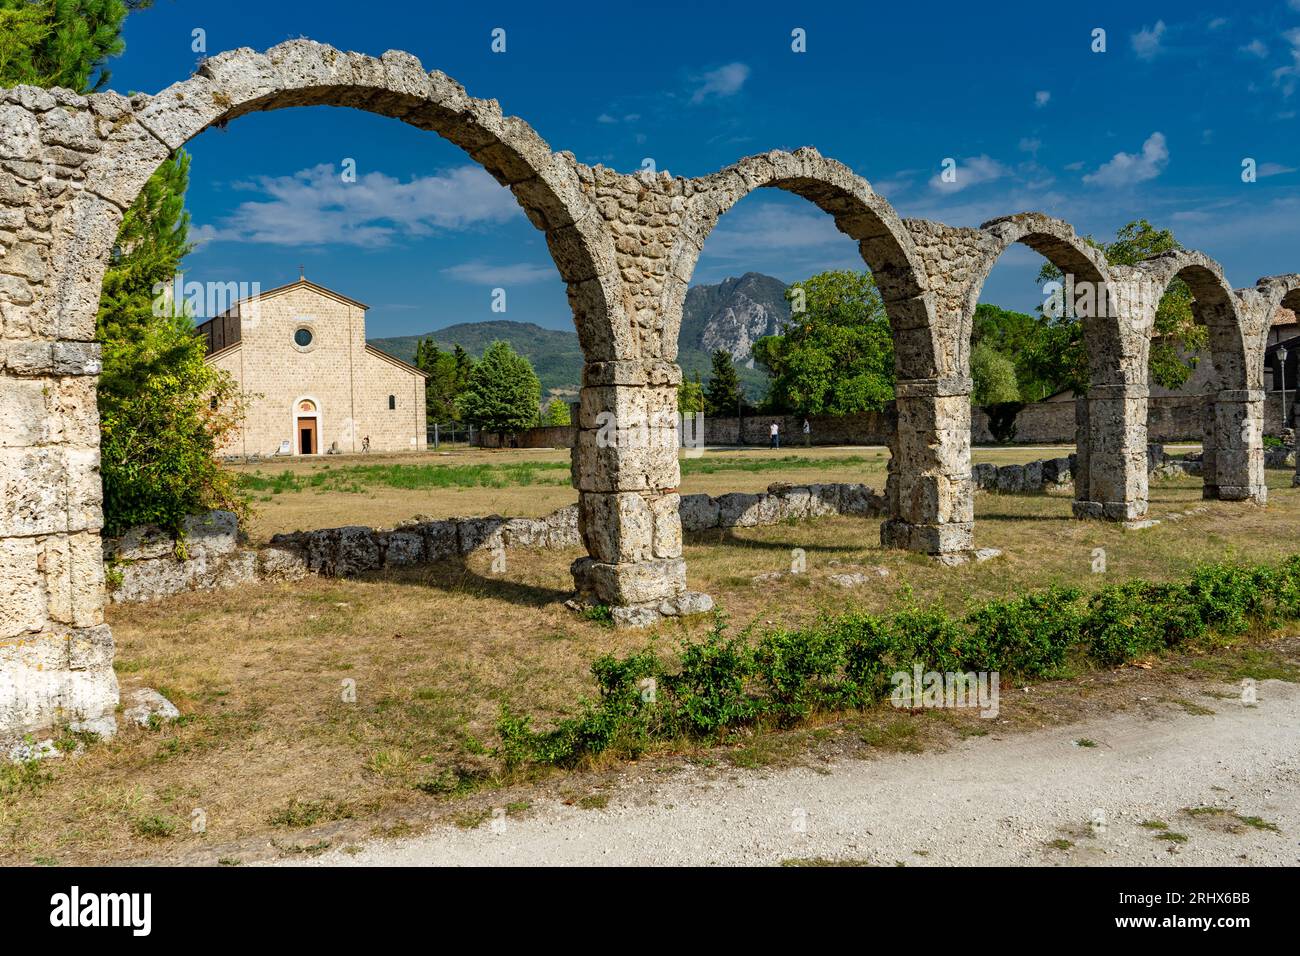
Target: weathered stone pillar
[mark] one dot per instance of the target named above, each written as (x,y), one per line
(1111,479)
(56,653)
(929,489)
(1234,463)
(626,470)
(1081,448)
(625,457)
(1112,463)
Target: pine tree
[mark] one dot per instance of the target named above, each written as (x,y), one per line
(164,412)
(61,42)
(722,395)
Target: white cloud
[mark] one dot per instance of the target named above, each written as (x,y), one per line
(724,81)
(970,172)
(1272,169)
(605,118)
(1030,145)
(779,237)
(901,181)
(1256,47)
(1042,98)
(315,207)
(1146,42)
(1075,166)
(479,272)
(772,226)
(1217,23)
(1285,76)
(1126,169)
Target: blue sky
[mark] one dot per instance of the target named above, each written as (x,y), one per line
(1157,126)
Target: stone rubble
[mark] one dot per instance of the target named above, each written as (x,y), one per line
(146,707)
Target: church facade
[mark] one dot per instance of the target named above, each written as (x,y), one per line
(311,384)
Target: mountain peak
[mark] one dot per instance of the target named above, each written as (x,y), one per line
(732,315)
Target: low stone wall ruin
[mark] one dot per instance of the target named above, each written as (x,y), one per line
(148,563)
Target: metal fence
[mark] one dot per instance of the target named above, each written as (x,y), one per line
(449,433)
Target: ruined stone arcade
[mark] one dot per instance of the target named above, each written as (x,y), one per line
(626,246)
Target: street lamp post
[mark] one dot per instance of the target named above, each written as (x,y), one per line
(1281,360)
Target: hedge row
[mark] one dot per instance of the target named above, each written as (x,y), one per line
(846,661)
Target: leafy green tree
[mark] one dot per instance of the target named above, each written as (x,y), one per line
(161,433)
(994,376)
(722,395)
(838,356)
(690,396)
(503,393)
(1017,335)
(557,413)
(1176,336)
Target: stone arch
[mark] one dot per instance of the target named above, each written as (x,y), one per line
(1261,304)
(922,516)
(1110,474)
(305,73)
(1233,456)
(1055,241)
(858,211)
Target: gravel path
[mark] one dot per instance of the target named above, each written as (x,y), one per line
(988,800)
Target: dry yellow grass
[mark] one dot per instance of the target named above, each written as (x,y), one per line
(267,743)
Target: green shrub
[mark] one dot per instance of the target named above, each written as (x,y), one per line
(800,670)
(710,687)
(1030,634)
(1226,595)
(848,660)
(1284,590)
(626,716)
(1125,621)
(867,639)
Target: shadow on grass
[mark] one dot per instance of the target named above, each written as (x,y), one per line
(454,575)
(727,536)
(1002,516)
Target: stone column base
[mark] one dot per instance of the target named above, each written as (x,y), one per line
(1259,495)
(955,537)
(638,594)
(1109,510)
(58,678)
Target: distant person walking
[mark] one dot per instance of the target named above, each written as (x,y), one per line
(807,433)
(775,432)
(365,445)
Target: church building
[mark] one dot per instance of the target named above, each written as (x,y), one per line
(311,383)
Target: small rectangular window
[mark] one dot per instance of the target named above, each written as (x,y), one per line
(392,402)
